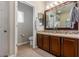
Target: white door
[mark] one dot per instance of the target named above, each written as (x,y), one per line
(4,28)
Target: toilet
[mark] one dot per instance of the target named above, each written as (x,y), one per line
(31,40)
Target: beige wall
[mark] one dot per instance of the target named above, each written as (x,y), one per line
(12,28)
(39,5)
(39,8)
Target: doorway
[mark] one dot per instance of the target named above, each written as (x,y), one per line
(24,25)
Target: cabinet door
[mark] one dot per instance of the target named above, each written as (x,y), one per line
(55,45)
(46,42)
(78,47)
(39,40)
(69,47)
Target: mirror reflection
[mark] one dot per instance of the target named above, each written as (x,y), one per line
(60,17)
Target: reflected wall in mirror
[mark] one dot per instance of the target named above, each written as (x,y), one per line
(50,18)
(64,16)
(59,17)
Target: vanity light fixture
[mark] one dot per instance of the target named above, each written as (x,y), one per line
(47,7)
(54,3)
(51,5)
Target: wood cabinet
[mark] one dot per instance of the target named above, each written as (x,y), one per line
(69,46)
(78,48)
(59,46)
(43,41)
(55,45)
(39,40)
(46,42)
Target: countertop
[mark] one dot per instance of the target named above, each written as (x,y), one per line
(68,35)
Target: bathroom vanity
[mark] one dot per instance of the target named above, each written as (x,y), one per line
(58,44)
(62,40)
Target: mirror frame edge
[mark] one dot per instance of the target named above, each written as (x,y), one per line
(75,25)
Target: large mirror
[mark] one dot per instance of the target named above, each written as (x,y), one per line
(59,17)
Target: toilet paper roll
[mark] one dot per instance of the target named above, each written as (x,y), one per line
(22,35)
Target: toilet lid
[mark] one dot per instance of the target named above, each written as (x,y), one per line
(31,38)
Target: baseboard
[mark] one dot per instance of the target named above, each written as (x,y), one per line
(19,44)
(12,56)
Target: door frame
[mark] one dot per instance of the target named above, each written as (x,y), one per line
(34,31)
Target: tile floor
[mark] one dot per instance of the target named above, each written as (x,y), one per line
(27,51)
